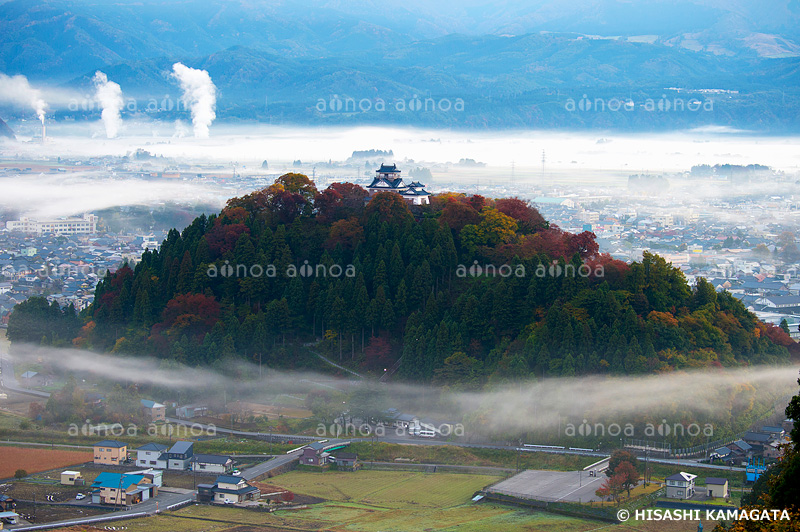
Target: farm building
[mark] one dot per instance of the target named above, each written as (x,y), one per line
(110,452)
(344,460)
(71,478)
(211,463)
(190,411)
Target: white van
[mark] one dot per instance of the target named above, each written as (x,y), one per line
(425,433)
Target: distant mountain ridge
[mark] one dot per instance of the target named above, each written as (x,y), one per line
(514,64)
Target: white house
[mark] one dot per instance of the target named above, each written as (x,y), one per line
(151,455)
(211,463)
(179,455)
(680,485)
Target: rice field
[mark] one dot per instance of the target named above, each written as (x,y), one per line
(387,489)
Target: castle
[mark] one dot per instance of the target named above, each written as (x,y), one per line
(388,180)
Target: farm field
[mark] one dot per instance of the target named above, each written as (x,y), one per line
(352,517)
(36,460)
(387,489)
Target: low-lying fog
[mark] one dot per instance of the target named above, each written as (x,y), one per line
(251,144)
(510,408)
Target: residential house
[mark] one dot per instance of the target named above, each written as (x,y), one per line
(774,450)
(122,489)
(228,489)
(179,455)
(740,450)
(211,463)
(314,454)
(155,411)
(152,455)
(717,487)
(777,433)
(110,452)
(680,485)
(757,440)
(7,503)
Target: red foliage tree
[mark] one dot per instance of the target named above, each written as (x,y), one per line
(583,244)
(456,215)
(528,218)
(477,202)
(348,233)
(378,353)
(222,237)
(190,314)
(339,201)
(389,206)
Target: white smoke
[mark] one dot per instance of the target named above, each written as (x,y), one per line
(199,94)
(109,94)
(17,91)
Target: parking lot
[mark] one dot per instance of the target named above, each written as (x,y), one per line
(572,486)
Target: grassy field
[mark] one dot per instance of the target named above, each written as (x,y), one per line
(429,454)
(387,489)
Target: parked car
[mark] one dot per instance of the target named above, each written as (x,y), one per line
(80,497)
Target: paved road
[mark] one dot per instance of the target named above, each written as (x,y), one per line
(8,380)
(264,467)
(162,502)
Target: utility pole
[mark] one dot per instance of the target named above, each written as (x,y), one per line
(543,160)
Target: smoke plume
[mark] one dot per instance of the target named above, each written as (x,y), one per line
(109,94)
(199,94)
(17,91)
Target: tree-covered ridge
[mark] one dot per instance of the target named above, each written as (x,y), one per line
(402,291)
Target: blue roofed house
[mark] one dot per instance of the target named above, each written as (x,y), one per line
(155,411)
(122,489)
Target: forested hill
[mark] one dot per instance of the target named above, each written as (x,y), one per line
(383,280)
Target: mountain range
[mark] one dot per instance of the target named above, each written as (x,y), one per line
(512,64)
